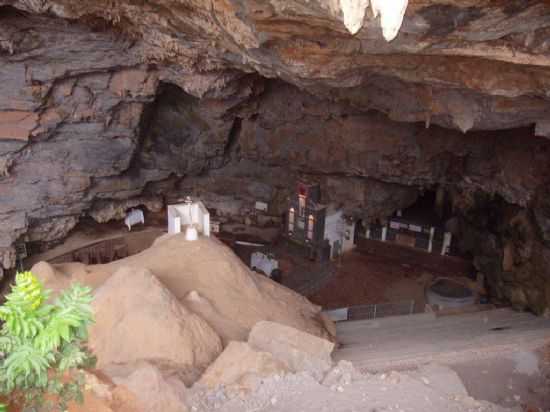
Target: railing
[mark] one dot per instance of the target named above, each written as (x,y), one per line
(372,311)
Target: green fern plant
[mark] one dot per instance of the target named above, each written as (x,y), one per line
(42,345)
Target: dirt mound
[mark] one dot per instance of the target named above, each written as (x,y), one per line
(222,283)
(138,319)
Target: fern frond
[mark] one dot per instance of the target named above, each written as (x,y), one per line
(39,342)
(27,294)
(72,356)
(24,310)
(8,343)
(72,312)
(26,366)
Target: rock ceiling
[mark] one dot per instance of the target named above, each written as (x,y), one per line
(460,64)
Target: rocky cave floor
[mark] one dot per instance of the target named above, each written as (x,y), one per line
(248,375)
(519,382)
(376,273)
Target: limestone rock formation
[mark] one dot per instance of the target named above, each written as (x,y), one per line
(457,63)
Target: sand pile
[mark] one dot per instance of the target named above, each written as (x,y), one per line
(208,279)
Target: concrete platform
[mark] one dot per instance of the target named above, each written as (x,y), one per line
(404,342)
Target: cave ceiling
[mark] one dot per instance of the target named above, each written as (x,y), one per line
(465,65)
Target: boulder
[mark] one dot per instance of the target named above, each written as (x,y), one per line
(298,351)
(138,319)
(238,365)
(151,389)
(227,328)
(50,277)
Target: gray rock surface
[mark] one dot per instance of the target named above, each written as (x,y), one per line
(111,105)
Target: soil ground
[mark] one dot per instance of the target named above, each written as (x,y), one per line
(379,272)
(518,379)
(433,389)
(496,353)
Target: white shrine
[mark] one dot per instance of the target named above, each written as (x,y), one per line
(190,217)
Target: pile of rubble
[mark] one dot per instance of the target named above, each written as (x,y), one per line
(184,326)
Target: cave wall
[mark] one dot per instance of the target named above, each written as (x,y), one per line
(372,166)
(508,248)
(81,95)
(97,116)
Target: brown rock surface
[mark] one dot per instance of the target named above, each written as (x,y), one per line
(138,319)
(101,394)
(458,64)
(151,389)
(297,350)
(206,267)
(237,365)
(227,328)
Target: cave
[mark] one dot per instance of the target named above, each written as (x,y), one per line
(150,134)
(421,128)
